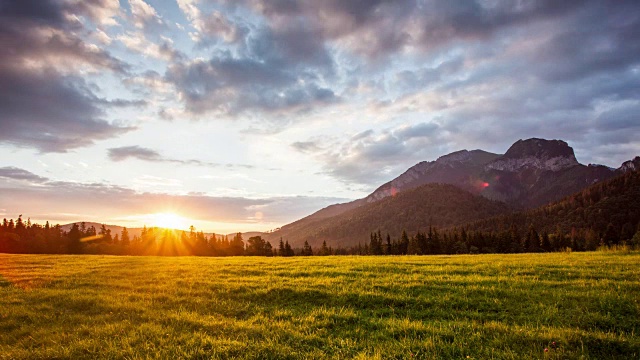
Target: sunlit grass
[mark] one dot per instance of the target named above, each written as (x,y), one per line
(493,306)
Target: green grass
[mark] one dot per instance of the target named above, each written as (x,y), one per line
(449,307)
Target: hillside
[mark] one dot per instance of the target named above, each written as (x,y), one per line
(609,209)
(412,210)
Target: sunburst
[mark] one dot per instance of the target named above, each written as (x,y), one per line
(169,221)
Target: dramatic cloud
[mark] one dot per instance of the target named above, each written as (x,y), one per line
(277,72)
(42,104)
(50,113)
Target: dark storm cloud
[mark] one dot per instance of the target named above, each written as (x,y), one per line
(42,104)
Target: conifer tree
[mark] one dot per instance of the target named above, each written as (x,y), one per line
(306,249)
(324,250)
(124,237)
(388,248)
(288,251)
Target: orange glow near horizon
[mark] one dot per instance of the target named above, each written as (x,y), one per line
(169,220)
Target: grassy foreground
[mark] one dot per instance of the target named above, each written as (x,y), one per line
(449,307)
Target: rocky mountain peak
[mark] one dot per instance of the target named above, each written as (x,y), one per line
(539,154)
(631,165)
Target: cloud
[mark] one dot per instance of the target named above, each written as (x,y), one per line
(137,152)
(102,12)
(372,157)
(50,113)
(163,50)
(231,86)
(146,154)
(43,103)
(102,201)
(15,173)
(144,16)
(214,24)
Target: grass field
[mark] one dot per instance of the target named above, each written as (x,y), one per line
(449,307)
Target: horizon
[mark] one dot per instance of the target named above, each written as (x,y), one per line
(248,115)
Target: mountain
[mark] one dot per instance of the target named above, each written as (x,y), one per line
(536,171)
(412,210)
(530,173)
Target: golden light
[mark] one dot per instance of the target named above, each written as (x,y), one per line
(169,221)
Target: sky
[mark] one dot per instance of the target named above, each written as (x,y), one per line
(245,115)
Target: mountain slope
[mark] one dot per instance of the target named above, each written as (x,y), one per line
(454,168)
(412,210)
(613,202)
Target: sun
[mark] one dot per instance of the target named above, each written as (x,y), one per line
(169,221)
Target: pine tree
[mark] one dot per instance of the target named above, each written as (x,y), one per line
(389,249)
(324,250)
(413,248)
(288,251)
(75,246)
(306,250)
(124,237)
(404,243)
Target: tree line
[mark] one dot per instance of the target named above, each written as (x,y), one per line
(25,237)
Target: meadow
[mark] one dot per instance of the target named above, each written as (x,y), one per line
(574,305)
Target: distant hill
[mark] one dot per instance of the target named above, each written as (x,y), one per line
(413,210)
(115,229)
